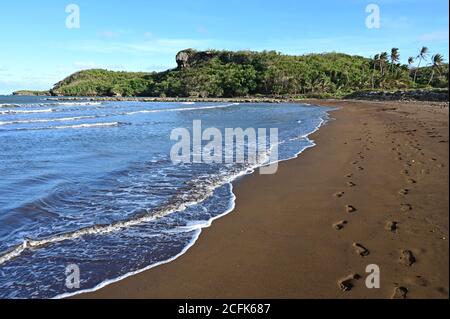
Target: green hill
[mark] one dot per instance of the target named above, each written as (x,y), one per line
(245,73)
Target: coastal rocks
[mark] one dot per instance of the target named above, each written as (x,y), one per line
(189,58)
(182,59)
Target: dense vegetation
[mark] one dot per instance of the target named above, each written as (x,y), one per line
(31,92)
(244,73)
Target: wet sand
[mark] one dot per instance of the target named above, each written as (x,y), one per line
(373,191)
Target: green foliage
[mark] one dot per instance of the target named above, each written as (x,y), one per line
(439,80)
(243,73)
(105,83)
(31,92)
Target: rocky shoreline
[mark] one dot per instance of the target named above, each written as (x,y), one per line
(440,97)
(436,95)
(182,100)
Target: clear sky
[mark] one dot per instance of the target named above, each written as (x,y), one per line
(37,49)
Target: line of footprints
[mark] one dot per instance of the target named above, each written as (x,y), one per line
(406,257)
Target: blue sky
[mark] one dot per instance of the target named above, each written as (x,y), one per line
(37,49)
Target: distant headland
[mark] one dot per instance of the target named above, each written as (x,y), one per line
(268,74)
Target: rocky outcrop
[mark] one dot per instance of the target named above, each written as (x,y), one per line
(415,95)
(190,58)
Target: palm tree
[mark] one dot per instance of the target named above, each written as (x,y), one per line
(375,61)
(395,57)
(383,61)
(436,64)
(410,63)
(423,54)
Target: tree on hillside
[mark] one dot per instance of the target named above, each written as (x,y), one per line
(376,62)
(436,64)
(395,57)
(383,62)
(422,56)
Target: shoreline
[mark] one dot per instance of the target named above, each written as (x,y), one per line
(251,254)
(326,118)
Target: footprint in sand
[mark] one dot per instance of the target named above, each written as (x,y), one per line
(418,281)
(339,194)
(360,168)
(351,184)
(407,258)
(349,175)
(392,226)
(340,225)
(405,207)
(411,181)
(361,250)
(348,283)
(350,209)
(400,293)
(403,191)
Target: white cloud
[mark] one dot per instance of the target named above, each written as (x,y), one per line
(435,36)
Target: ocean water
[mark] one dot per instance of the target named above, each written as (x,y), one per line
(92,184)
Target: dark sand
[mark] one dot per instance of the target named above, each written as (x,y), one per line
(379,173)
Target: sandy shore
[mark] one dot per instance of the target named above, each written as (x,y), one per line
(374,191)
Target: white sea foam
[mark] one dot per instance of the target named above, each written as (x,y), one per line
(182,109)
(199,193)
(199,196)
(9,105)
(26,111)
(63,119)
(199,226)
(72,104)
(84,125)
